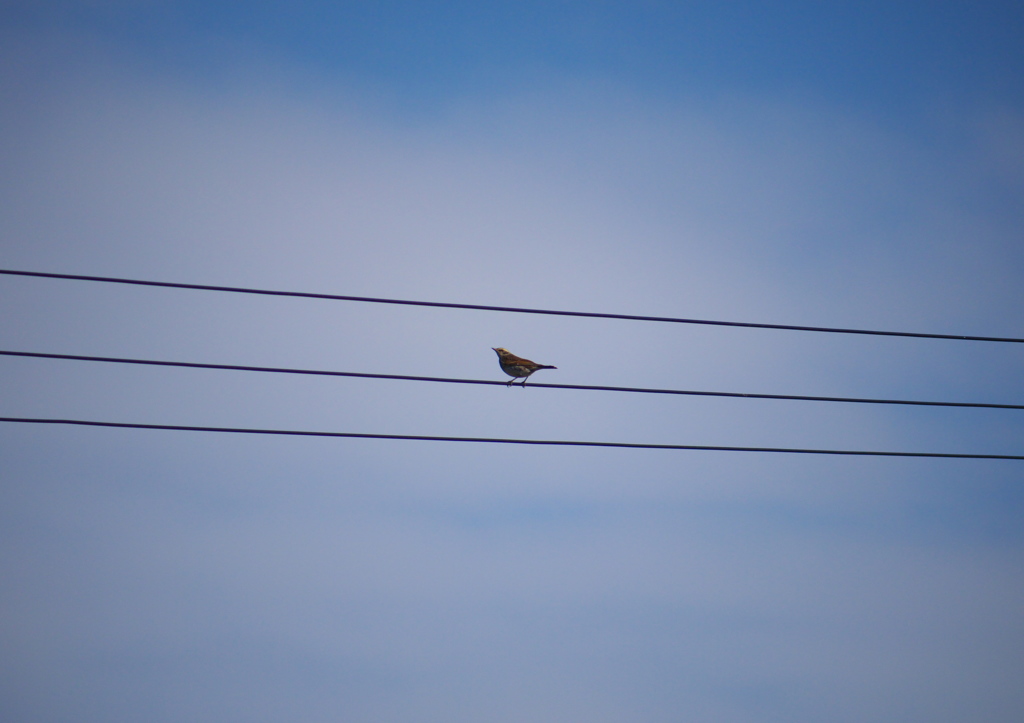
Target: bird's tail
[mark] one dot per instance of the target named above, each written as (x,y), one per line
(545,366)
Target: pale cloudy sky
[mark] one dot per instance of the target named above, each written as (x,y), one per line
(856,166)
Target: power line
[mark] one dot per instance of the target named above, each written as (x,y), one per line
(494,440)
(403,377)
(511,309)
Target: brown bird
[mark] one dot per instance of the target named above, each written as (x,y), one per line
(516,366)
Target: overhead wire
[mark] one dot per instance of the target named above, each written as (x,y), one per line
(510,309)
(495,440)
(448,380)
(238,430)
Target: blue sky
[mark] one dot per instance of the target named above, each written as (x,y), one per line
(854,165)
(873,54)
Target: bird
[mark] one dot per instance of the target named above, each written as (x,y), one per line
(516,366)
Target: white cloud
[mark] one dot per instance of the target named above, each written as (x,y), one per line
(452,578)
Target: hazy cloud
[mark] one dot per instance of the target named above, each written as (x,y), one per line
(168,576)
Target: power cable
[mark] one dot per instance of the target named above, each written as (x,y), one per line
(512,309)
(365,375)
(493,440)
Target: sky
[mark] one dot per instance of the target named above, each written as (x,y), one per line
(855,165)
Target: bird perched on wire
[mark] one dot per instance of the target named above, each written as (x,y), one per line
(516,366)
